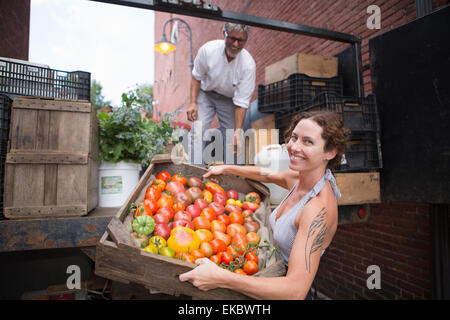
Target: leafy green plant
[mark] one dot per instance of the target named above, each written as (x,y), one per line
(125,136)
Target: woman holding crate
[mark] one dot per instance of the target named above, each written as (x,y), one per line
(304,223)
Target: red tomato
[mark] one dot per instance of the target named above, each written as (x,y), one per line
(220,198)
(201,223)
(182,197)
(174,187)
(141,211)
(208,213)
(195,193)
(232,207)
(217,225)
(222,236)
(232,194)
(236,217)
(164,175)
(179,178)
(250,267)
(247,213)
(167,211)
(218,245)
(253,197)
(160,218)
(224,218)
(217,207)
(193,210)
(235,251)
(250,206)
(226,258)
(153,193)
(195,182)
(251,256)
(201,203)
(207,249)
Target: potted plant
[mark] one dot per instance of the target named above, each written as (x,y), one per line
(127,141)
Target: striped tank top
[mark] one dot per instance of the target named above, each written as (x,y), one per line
(284,229)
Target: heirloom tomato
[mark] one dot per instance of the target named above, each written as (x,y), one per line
(161,184)
(251,256)
(235,228)
(204,235)
(183,239)
(195,182)
(197,254)
(220,198)
(164,175)
(141,211)
(250,206)
(153,193)
(195,193)
(193,210)
(179,178)
(217,258)
(222,236)
(253,197)
(174,187)
(166,200)
(226,258)
(233,194)
(214,188)
(167,211)
(239,240)
(217,207)
(201,223)
(182,197)
(217,225)
(218,245)
(236,217)
(207,195)
(253,238)
(208,213)
(240,271)
(178,206)
(207,249)
(224,218)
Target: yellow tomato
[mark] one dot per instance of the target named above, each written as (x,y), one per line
(231,201)
(151,248)
(183,239)
(158,241)
(239,203)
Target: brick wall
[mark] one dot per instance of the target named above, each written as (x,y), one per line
(14,29)
(397,237)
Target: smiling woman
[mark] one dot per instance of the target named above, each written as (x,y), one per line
(85,35)
(304,223)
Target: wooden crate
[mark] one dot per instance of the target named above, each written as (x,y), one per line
(51,166)
(119,259)
(311,65)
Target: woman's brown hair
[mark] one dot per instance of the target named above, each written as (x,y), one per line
(335,134)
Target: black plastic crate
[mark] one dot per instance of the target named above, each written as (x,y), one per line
(358,114)
(295,91)
(30,80)
(363,153)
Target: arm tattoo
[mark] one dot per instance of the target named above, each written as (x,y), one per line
(318,228)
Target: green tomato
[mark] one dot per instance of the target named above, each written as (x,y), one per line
(167,252)
(144,225)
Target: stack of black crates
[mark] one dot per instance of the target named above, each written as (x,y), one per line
(22,79)
(299,92)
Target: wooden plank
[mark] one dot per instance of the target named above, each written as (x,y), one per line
(23,129)
(51,178)
(55,157)
(42,129)
(72,184)
(317,66)
(74,131)
(359,187)
(27,212)
(30,190)
(281,69)
(118,233)
(51,104)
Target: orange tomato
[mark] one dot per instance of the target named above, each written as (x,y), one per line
(224,218)
(253,237)
(207,249)
(207,195)
(240,271)
(208,213)
(235,251)
(179,178)
(222,236)
(187,257)
(239,240)
(234,228)
(236,217)
(166,200)
(161,184)
(204,235)
(150,206)
(217,225)
(217,258)
(218,245)
(178,207)
(201,223)
(153,193)
(197,254)
(250,267)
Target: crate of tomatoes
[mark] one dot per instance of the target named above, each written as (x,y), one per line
(174,217)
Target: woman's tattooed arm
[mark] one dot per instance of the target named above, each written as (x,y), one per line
(317,230)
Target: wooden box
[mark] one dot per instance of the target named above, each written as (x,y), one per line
(119,259)
(311,65)
(51,167)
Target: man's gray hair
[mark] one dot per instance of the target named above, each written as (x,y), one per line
(228,27)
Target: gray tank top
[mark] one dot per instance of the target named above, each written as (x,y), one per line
(284,229)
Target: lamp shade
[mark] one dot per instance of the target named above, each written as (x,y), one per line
(165,46)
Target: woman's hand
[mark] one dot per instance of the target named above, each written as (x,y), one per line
(206,276)
(215,171)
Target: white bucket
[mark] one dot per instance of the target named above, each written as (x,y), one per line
(276,158)
(116,181)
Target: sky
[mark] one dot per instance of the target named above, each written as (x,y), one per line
(114,43)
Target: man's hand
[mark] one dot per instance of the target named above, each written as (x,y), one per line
(192,112)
